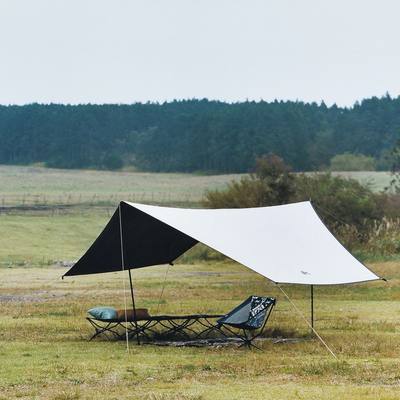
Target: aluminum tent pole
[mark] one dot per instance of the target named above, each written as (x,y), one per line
(123,279)
(312,295)
(130,282)
(134,308)
(307,322)
(312,306)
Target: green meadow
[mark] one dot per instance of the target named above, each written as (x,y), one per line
(45,186)
(25,186)
(44,347)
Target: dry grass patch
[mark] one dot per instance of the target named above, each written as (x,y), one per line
(45,354)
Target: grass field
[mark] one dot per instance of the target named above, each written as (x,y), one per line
(39,186)
(44,352)
(41,238)
(377,181)
(45,186)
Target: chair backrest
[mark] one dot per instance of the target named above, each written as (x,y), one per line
(250,314)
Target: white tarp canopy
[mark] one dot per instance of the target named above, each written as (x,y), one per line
(286,244)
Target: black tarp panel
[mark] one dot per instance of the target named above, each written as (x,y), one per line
(146,241)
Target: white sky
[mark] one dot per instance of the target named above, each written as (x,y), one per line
(121,51)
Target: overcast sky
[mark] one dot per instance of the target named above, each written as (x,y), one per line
(122,51)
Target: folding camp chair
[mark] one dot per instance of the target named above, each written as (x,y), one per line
(248,319)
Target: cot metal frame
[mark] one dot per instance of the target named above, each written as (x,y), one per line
(186,327)
(157,327)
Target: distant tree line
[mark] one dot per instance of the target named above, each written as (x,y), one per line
(198,135)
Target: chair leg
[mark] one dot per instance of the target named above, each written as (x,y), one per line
(251,344)
(247,339)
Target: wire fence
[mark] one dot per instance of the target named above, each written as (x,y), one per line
(56,203)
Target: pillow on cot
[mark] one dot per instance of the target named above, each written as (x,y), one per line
(141,313)
(103,313)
